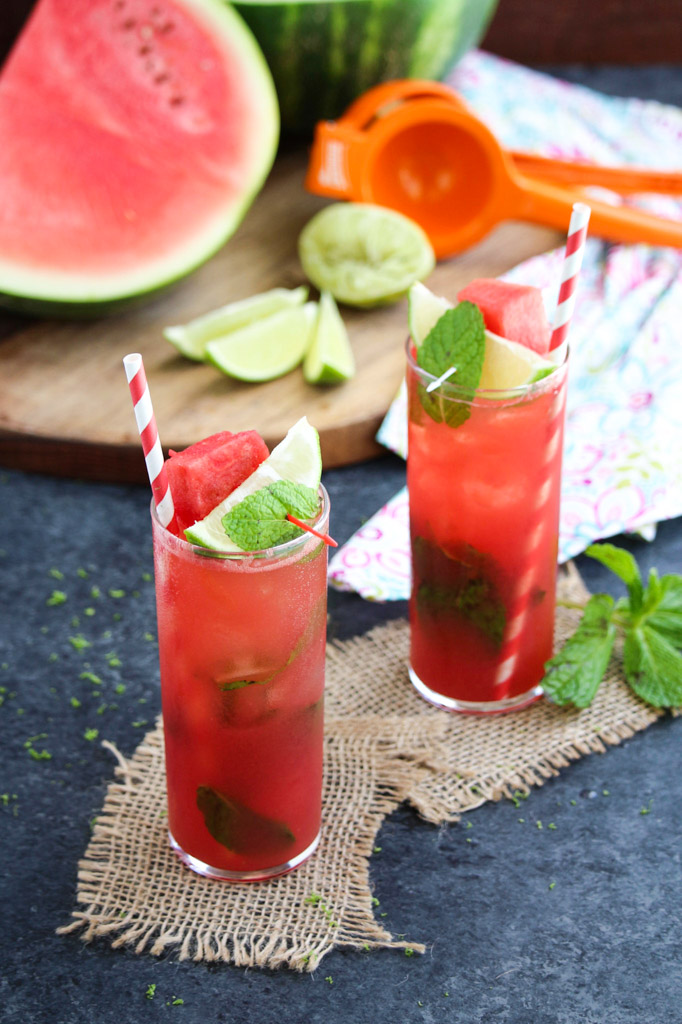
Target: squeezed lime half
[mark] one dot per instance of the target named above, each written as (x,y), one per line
(364,255)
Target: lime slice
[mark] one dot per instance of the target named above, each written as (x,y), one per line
(365,255)
(509,365)
(190,339)
(296,458)
(424,310)
(267,348)
(329,359)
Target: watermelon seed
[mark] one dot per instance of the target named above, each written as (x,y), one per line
(144,50)
(167,27)
(129,23)
(163,77)
(176,101)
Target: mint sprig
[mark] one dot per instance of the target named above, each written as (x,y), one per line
(650,620)
(456,339)
(260,520)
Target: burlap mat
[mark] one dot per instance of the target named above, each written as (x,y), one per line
(383,745)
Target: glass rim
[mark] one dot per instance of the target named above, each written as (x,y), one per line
(277,552)
(456,392)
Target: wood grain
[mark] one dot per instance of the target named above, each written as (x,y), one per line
(64,404)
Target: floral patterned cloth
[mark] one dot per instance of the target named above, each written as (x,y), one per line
(623,450)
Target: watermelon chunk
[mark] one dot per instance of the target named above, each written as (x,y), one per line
(514,311)
(203,475)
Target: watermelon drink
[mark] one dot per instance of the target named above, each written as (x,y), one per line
(242,649)
(483,474)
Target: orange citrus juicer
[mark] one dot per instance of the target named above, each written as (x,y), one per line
(415,147)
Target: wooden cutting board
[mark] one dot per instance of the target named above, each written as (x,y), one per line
(64,403)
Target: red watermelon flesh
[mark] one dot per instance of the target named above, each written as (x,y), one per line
(514,311)
(203,475)
(134,133)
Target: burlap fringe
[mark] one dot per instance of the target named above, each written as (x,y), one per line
(383,746)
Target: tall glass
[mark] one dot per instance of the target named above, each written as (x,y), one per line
(483,474)
(242,649)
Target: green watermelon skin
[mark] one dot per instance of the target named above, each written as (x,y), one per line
(324,53)
(141,131)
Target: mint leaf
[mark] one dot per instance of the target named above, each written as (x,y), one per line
(623,564)
(301,501)
(574,673)
(653,667)
(662,606)
(456,339)
(240,829)
(316,618)
(260,520)
(459,582)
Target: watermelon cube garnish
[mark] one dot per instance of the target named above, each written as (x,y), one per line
(203,475)
(514,311)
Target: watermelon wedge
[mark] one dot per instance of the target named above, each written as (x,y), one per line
(514,311)
(203,475)
(135,135)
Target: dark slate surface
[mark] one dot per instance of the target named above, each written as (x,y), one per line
(599,947)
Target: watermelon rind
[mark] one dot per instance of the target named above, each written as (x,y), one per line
(49,291)
(324,53)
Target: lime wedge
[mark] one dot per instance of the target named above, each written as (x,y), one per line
(424,310)
(329,359)
(365,255)
(190,339)
(296,458)
(509,365)
(266,348)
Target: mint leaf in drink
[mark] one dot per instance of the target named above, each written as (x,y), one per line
(623,564)
(456,339)
(260,520)
(240,829)
(653,667)
(459,582)
(573,675)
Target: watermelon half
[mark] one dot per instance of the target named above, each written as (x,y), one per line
(135,134)
(325,53)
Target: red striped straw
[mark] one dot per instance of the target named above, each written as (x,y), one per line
(573,258)
(149,435)
(536,530)
(570,271)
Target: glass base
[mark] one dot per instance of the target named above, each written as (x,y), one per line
(470,707)
(260,875)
